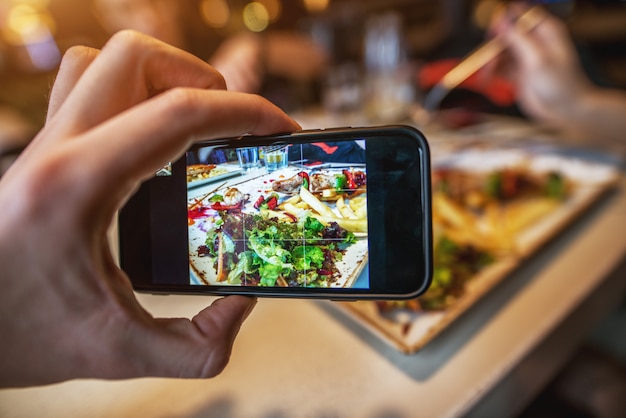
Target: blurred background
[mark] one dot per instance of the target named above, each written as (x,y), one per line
(350,40)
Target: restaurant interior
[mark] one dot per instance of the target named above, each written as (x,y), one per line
(534,327)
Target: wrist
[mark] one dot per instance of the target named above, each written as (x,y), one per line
(597,115)
(566,109)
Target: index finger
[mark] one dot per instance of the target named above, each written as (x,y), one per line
(130,69)
(75,62)
(133,145)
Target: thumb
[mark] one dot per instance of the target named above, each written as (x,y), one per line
(199,348)
(220,324)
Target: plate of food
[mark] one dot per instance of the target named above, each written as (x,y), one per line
(491,210)
(293,227)
(202,174)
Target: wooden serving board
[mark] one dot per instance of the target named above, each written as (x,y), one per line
(410,331)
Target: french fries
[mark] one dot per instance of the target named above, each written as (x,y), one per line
(346,211)
(451,213)
(351,216)
(316,204)
(358,205)
(520,215)
(496,227)
(352,225)
(293,200)
(294,210)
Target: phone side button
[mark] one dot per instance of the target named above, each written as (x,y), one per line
(338,128)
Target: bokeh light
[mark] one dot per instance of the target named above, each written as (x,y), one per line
(315,6)
(274,8)
(26,24)
(483,12)
(256,17)
(215,13)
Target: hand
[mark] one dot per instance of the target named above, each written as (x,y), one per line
(293,56)
(115,117)
(243,60)
(240,61)
(548,75)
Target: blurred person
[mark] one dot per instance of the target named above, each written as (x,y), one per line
(66,310)
(551,86)
(243,59)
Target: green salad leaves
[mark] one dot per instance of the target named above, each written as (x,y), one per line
(261,250)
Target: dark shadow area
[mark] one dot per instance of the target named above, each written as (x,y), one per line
(592,383)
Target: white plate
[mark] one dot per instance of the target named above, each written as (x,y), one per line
(232,171)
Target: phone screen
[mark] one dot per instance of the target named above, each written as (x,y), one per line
(288,215)
(342,213)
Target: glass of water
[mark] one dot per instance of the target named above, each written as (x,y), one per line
(248,157)
(275,157)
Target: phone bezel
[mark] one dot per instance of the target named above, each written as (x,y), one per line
(136,259)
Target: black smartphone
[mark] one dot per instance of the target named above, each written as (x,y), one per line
(336,213)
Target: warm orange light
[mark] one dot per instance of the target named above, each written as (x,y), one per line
(274,8)
(316,6)
(484,12)
(215,13)
(26,24)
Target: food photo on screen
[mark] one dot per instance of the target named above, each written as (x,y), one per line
(279,216)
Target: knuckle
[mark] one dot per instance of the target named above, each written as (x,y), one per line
(127,40)
(77,53)
(181,100)
(42,182)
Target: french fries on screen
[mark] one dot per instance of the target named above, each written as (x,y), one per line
(352,217)
(316,204)
(352,225)
(345,210)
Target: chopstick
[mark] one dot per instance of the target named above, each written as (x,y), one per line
(477,59)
